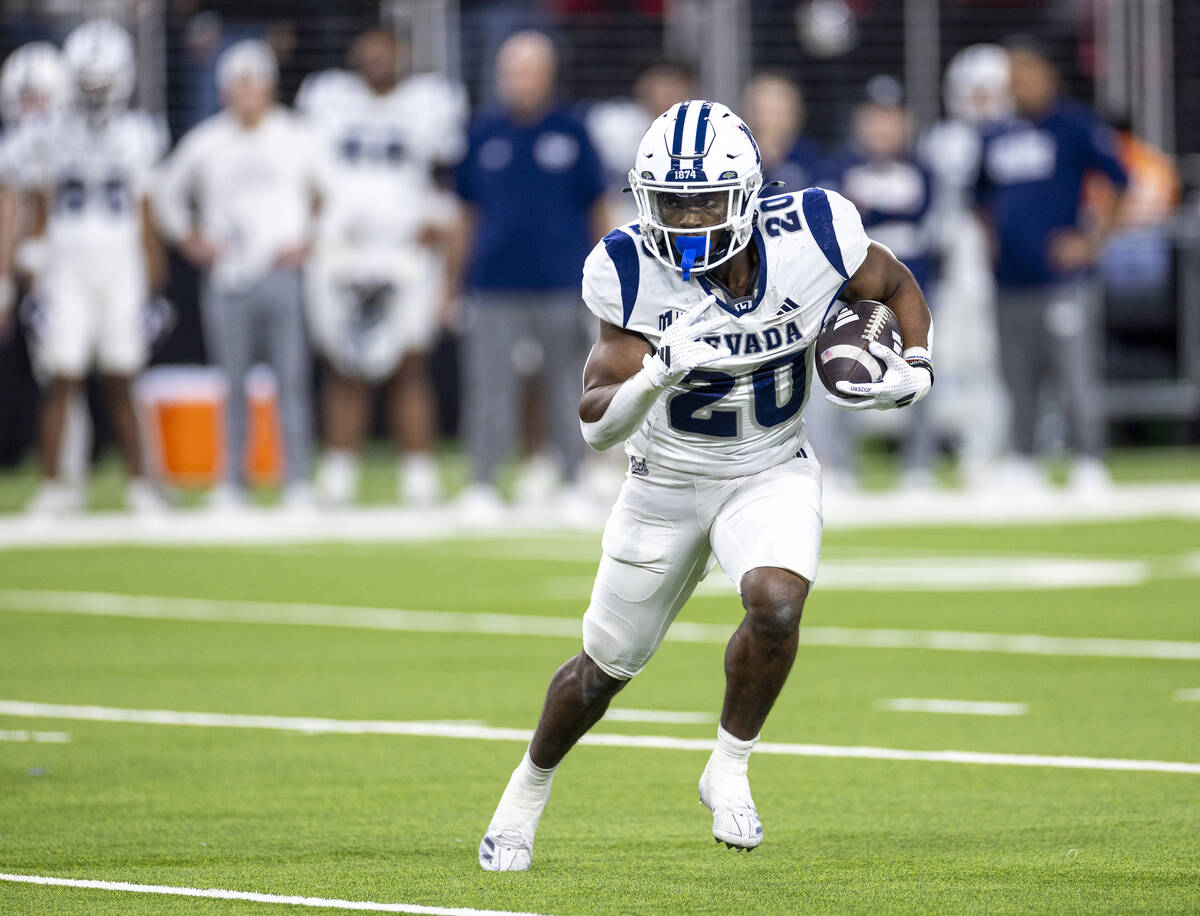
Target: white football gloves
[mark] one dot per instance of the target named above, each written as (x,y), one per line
(682,349)
(906,380)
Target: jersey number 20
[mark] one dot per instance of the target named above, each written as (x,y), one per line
(712,386)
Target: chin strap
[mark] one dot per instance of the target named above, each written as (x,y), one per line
(689,247)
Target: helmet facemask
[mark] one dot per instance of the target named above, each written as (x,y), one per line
(694,227)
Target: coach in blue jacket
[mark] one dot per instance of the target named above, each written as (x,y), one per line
(1030,189)
(532,187)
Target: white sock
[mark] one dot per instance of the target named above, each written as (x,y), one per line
(337,479)
(731,756)
(525,797)
(419,481)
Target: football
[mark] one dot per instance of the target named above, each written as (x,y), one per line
(842,345)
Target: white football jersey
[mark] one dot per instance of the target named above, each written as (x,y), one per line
(94,173)
(379,153)
(742,414)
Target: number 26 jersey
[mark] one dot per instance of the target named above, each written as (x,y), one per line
(744,413)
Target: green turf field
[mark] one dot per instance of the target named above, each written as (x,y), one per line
(397,818)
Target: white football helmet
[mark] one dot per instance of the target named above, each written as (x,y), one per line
(696,181)
(33,81)
(99,55)
(976,84)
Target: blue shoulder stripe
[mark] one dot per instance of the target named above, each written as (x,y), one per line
(819,217)
(622,251)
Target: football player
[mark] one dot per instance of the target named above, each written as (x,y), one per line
(373,282)
(709,306)
(87,168)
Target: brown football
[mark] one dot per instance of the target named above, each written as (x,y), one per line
(842,346)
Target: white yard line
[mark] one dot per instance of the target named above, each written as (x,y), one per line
(375,524)
(109,604)
(953,707)
(38,737)
(217,894)
(1187,695)
(659,715)
(479,733)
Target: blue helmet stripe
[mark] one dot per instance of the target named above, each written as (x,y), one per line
(819,217)
(677,141)
(702,128)
(622,251)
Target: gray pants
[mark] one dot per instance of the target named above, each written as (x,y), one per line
(265,321)
(500,328)
(1051,336)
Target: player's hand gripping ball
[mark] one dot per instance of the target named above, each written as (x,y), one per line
(860,360)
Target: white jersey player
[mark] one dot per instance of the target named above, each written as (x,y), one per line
(709,307)
(374,281)
(976,97)
(88,166)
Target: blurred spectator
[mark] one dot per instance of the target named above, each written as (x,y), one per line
(1030,186)
(374,282)
(532,187)
(893,192)
(971,401)
(237,195)
(87,168)
(773,107)
(616,126)
(33,85)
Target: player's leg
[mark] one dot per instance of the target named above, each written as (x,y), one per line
(414,428)
(63,344)
(413,327)
(345,411)
(1020,323)
(122,352)
(654,554)
(489,399)
(287,352)
(1075,332)
(766,533)
(229,332)
(55,396)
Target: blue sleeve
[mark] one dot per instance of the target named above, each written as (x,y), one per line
(1100,151)
(589,171)
(464,172)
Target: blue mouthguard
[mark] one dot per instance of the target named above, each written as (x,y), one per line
(689,247)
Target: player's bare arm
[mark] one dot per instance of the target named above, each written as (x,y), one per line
(884,278)
(615,358)
(906,378)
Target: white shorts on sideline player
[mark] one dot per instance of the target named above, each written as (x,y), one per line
(666,530)
(367,310)
(91,312)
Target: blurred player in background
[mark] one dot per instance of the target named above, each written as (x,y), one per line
(33,85)
(1031,189)
(616,125)
(375,279)
(774,108)
(893,193)
(87,168)
(533,193)
(238,196)
(971,391)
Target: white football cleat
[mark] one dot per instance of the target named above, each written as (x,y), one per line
(735,819)
(505,849)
